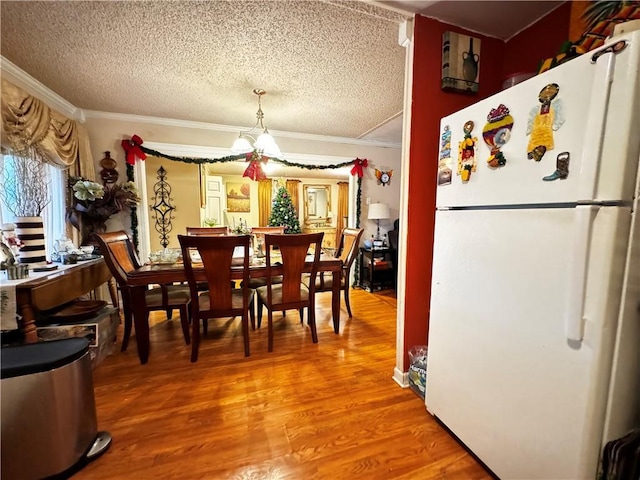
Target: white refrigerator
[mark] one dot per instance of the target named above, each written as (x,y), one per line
(534,334)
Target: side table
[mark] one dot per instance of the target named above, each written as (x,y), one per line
(377,268)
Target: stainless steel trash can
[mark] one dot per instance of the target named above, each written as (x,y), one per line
(49,422)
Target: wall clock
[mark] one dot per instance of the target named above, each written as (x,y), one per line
(383,177)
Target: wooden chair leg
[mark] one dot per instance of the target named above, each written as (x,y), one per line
(311,320)
(301,315)
(270,328)
(128,320)
(245,332)
(252,312)
(260,304)
(195,340)
(113,293)
(184,321)
(128,323)
(169,313)
(346,300)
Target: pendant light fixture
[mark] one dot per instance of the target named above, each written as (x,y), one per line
(264,144)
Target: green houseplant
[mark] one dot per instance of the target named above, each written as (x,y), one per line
(92,204)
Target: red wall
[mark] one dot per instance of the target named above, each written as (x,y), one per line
(540,41)
(430,103)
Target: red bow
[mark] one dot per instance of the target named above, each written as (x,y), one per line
(358,166)
(133,150)
(254,170)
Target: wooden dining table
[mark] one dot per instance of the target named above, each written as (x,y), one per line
(141,278)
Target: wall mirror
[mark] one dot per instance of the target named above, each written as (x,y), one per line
(317,204)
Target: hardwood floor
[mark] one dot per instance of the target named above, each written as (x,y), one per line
(324,411)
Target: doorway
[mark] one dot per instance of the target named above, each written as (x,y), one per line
(145,229)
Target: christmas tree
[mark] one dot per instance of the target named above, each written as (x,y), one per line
(283,213)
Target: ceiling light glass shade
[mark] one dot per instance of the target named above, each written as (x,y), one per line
(240,146)
(268,145)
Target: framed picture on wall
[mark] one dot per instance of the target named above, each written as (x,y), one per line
(460,63)
(238,197)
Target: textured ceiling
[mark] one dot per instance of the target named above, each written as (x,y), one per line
(329,68)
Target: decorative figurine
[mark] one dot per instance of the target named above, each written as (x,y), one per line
(543,121)
(562,168)
(467,153)
(444,162)
(109,174)
(384,177)
(496,134)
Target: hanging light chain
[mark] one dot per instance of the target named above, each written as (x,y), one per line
(259,114)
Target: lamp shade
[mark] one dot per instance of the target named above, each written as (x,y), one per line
(240,146)
(268,145)
(378,211)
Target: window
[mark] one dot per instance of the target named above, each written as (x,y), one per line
(53,216)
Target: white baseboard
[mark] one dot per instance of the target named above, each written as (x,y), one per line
(401,378)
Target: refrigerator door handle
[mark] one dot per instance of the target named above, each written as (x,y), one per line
(574,320)
(595,127)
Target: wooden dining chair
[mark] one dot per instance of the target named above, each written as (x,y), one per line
(291,293)
(199,231)
(347,251)
(258,234)
(121,258)
(206,231)
(220,300)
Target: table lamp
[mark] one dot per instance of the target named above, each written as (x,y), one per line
(377,212)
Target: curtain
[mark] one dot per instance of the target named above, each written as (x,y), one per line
(264,202)
(343,209)
(28,123)
(292,189)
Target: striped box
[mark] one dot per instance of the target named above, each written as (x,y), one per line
(30,230)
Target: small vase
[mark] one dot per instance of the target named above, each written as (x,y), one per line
(30,230)
(88,229)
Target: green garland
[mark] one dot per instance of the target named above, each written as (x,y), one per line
(134,212)
(233,158)
(359,202)
(356,273)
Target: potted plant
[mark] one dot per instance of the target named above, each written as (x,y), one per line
(93,204)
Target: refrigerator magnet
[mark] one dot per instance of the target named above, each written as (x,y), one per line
(467,153)
(496,134)
(543,121)
(562,168)
(444,159)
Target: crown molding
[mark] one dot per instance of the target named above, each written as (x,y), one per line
(22,79)
(169,122)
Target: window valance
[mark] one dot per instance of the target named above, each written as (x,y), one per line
(58,140)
